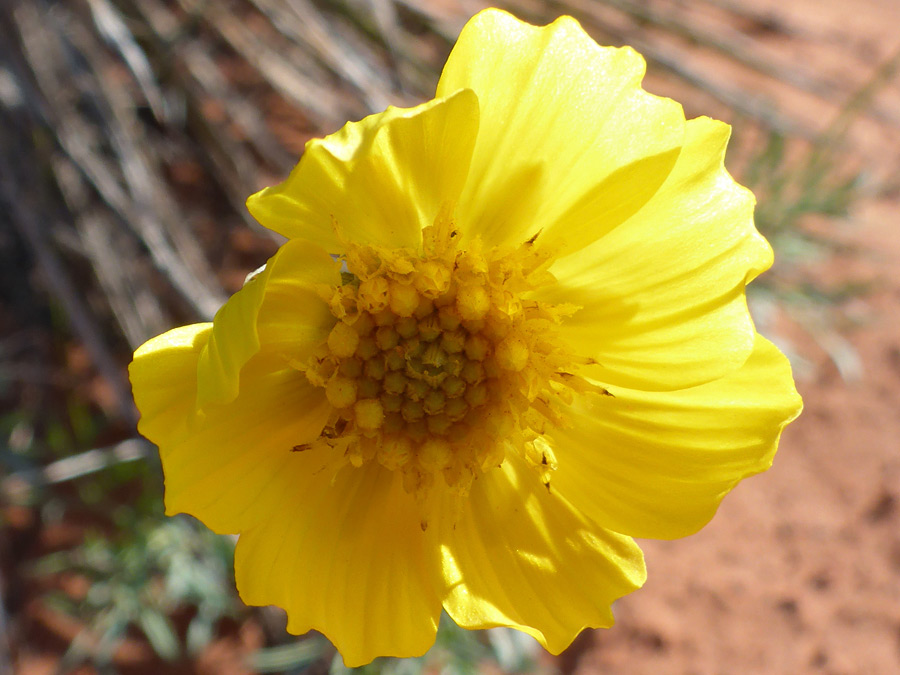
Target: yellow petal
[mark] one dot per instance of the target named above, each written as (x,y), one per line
(378,181)
(522,557)
(278,310)
(348,558)
(219,463)
(569,144)
(222,468)
(163,378)
(658,464)
(662,295)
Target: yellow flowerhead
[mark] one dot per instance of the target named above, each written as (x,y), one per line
(508,332)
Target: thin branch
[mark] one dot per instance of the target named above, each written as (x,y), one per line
(18,485)
(114,29)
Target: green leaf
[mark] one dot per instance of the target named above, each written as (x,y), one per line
(160,633)
(291,656)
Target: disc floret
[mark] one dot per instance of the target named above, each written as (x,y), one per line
(439,363)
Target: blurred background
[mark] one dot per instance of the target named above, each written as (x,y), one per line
(131,132)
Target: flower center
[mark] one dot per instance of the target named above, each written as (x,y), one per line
(439,364)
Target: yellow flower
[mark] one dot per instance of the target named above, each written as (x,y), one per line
(533,344)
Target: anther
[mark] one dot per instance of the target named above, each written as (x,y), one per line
(433,402)
(373,294)
(426,307)
(413,347)
(394,452)
(386,337)
(417,389)
(434,454)
(404,299)
(368,388)
(369,414)
(429,328)
(438,424)
(366,348)
(477,347)
(341,392)
(472,372)
(453,342)
(407,327)
(417,430)
(477,395)
(343,302)
(384,318)
(343,340)
(350,368)
(412,410)
(394,382)
(453,386)
(512,353)
(364,323)
(433,279)
(472,302)
(455,363)
(448,318)
(394,360)
(391,402)
(375,368)
(455,409)
(434,356)
(393,422)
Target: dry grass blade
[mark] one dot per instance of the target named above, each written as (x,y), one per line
(389,26)
(313,95)
(112,254)
(304,25)
(416,69)
(755,107)
(445,24)
(729,42)
(60,285)
(159,219)
(111,25)
(199,80)
(737,47)
(181,259)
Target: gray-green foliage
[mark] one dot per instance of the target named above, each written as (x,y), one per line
(789,190)
(456,651)
(139,581)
